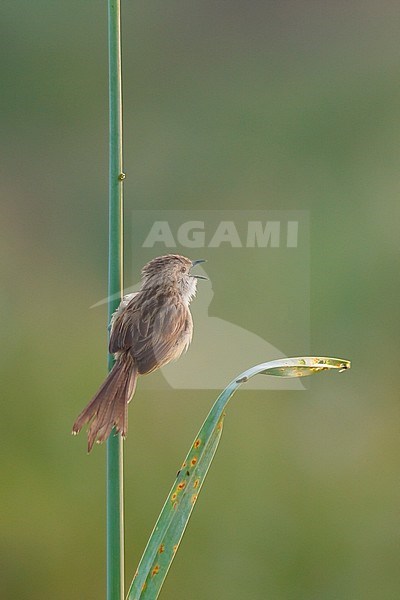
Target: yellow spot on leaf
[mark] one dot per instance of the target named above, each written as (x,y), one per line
(193,461)
(182,485)
(175,548)
(194,498)
(174,496)
(196,483)
(155,570)
(197,443)
(161,549)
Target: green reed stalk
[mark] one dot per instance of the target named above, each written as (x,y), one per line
(115,513)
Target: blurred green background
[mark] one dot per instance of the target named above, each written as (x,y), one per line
(230,105)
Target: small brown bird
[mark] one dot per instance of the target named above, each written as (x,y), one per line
(150,328)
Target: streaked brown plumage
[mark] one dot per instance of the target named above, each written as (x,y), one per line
(150,328)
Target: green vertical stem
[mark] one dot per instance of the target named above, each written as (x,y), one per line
(115,515)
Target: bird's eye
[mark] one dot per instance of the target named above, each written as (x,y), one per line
(183,269)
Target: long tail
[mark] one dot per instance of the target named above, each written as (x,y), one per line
(109,407)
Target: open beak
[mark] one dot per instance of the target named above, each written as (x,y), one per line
(198,262)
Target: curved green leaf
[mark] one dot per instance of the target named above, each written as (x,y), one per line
(171,523)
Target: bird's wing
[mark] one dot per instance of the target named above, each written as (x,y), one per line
(155,333)
(161,337)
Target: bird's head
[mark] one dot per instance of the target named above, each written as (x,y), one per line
(173,272)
